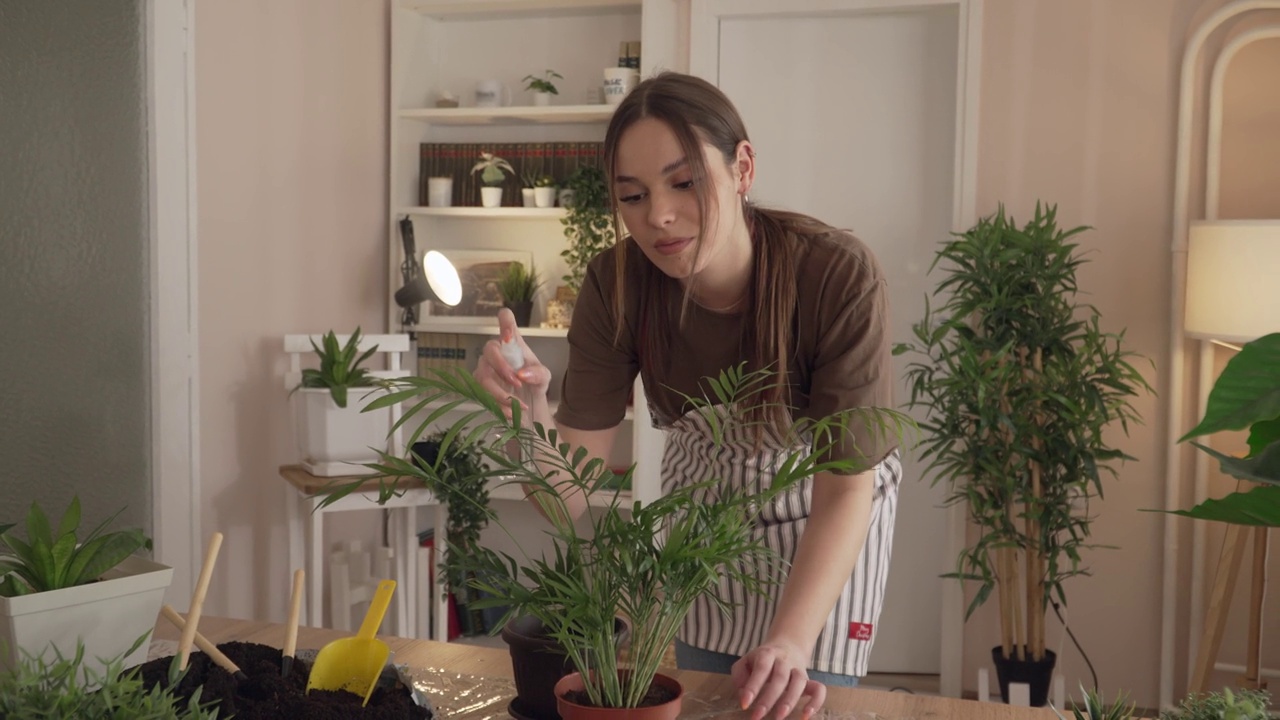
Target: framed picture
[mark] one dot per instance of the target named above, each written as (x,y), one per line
(480,271)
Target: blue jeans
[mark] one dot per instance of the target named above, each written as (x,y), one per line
(689,657)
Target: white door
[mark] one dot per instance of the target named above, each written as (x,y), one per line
(853,114)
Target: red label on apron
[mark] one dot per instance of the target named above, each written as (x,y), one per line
(859,631)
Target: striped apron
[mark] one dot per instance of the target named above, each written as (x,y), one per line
(844,645)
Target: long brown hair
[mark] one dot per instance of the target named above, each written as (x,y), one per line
(698,112)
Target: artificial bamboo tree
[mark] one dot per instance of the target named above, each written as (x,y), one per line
(1020,383)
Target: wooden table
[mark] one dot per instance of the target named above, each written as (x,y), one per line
(707,695)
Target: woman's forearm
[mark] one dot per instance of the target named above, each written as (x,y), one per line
(824,559)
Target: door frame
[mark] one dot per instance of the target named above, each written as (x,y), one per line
(174,421)
(705,18)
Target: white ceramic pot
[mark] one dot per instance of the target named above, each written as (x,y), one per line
(108,616)
(541,99)
(491,197)
(544,197)
(336,441)
(527,197)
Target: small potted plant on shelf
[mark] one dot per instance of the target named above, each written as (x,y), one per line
(1019,383)
(493,172)
(644,563)
(542,87)
(57,587)
(528,181)
(518,286)
(544,191)
(334,435)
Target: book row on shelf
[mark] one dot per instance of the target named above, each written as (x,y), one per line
(442,351)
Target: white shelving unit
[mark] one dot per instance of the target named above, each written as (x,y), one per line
(451,45)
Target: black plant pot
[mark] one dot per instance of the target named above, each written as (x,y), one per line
(1036,674)
(522,310)
(538,662)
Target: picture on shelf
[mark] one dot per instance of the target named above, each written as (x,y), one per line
(481,272)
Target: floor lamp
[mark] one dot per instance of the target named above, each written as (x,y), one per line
(1188,94)
(1231,297)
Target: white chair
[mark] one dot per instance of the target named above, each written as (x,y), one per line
(306,518)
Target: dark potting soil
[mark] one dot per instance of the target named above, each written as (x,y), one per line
(265,694)
(657,695)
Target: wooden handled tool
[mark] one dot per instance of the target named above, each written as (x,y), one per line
(205,646)
(291,630)
(197,600)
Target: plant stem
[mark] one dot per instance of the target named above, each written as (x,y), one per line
(1006,608)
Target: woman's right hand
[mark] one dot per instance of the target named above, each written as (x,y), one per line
(497,376)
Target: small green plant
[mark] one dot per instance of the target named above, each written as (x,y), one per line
(529,177)
(458,479)
(492,169)
(544,181)
(63,687)
(48,561)
(588,223)
(1095,708)
(519,284)
(543,84)
(339,367)
(1225,705)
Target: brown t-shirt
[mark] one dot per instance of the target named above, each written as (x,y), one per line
(841,358)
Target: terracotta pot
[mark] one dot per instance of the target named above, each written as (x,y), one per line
(573,711)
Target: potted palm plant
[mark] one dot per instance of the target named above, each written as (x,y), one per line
(519,285)
(56,588)
(334,435)
(1019,382)
(646,563)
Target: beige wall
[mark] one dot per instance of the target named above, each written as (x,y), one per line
(292,178)
(1078,108)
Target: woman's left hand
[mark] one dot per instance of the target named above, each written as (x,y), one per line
(773,677)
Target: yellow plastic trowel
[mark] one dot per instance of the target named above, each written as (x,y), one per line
(354,664)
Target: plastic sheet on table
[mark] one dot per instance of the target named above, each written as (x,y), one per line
(459,696)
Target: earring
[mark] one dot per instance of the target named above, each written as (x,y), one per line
(745,200)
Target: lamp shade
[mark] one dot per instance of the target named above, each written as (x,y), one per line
(439,283)
(1232,292)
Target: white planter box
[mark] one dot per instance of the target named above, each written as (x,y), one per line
(108,616)
(337,441)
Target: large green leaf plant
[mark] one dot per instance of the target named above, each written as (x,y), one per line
(1246,396)
(49,560)
(646,563)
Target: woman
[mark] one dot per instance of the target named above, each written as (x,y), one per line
(705,281)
